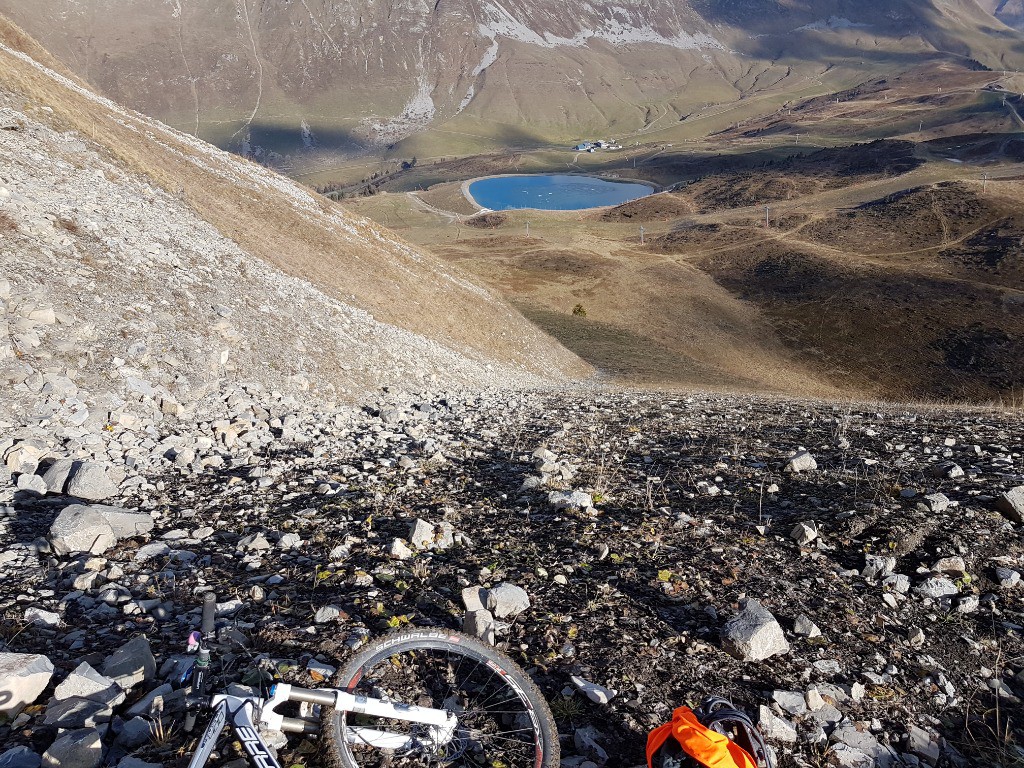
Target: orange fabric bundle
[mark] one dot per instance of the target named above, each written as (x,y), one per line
(708,747)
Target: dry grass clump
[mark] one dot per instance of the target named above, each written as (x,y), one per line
(7,224)
(487,220)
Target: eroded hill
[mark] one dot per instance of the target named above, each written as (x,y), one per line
(140,263)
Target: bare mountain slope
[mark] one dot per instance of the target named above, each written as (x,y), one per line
(287,81)
(138,260)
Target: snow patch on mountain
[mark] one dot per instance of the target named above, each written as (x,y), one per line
(418,112)
(501,23)
(490,56)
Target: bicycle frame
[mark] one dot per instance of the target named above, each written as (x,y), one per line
(249,714)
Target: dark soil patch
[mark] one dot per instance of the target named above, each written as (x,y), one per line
(665,206)
(491,220)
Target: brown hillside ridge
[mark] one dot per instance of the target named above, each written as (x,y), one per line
(349,259)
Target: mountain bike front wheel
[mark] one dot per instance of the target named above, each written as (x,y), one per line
(503,721)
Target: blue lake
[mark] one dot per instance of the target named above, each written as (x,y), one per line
(553,192)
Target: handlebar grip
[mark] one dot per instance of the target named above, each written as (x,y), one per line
(209,613)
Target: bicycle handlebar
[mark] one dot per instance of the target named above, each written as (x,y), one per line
(209,614)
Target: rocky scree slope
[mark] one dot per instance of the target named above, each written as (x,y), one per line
(122,292)
(849,574)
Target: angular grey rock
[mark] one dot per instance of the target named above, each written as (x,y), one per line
(507,600)
(132,663)
(937,502)
(898,582)
(1011,504)
(77,712)
(479,624)
(805,627)
(844,756)
(775,727)
(125,523)
(1008,578)
(474,598)
(936,588)
(596,693)
(421,534)
(878,566)
(95,528)
(399,550)
(801,461)
(75,749)
(144,706)
(922,744)
(32,484)
(56,477)
(20,757)
(804,533)
(570,500)
(42,617)
(90,481)
(952,565)
(791,702)
(86,682)
(135,733)
(23,676)
(326,613)
(754,634)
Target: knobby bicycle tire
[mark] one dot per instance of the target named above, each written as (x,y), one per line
(536,746)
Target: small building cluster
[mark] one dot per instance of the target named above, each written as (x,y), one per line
(593,146)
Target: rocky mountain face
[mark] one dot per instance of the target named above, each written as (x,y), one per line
(1010,12)
(142,269)
(284,80)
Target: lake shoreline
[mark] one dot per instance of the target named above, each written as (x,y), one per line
(466,185)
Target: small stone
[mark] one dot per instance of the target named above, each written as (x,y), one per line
(42,618)
(479,624)
(596,693)
(32,484)
(952,565)
(878,566)
(805,627)
(421,534)
(327,613)
(922,744)
(20,757)
(474,598)
(574,500)
(91,482)
(399,550)
(754,634)
(1008,578)
(801,461)
(1011,504)
(937,502)
(915,636)
(86,682)
(775,727)
(75,749)
(132,663)
(936,588)
(507,600)
(804,533)
(56,477)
